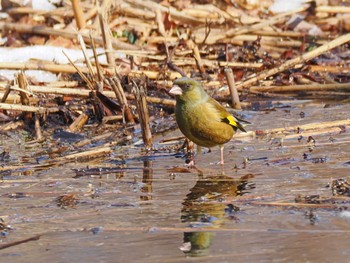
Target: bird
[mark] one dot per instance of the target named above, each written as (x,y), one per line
(202,119)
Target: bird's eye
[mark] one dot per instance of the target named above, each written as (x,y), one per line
(187,86)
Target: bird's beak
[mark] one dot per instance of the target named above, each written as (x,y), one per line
(175,90)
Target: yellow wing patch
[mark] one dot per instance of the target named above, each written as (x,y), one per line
(234,123)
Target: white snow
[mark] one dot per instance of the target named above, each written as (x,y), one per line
(46,53)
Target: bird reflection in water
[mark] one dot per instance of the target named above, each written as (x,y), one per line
(206,206)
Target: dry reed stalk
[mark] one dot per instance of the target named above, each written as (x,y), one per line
(159,21)
(13,125)
(85,93)
(206,63)
(155,74)
(176,15)
(97,63)
(236,104)
(48,31)
(258,26)
(132,12)
(78,13)
(333,9)
(307,127)
(89,154)
(313,87)
(81,74)
(325,68)
(6,94)
(47,66)
(24,108)
(107,42)
(275,33)
(86,57)
(141,104)
(298,60)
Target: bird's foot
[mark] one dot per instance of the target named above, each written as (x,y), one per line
(190,164)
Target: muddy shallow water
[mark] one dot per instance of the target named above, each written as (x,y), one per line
(151,212)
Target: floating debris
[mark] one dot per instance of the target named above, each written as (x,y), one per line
(340,187)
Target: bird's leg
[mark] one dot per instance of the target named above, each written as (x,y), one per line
(222,154)
(190,153)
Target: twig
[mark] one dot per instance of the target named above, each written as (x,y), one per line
(34,238)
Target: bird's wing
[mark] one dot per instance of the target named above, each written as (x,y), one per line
(209,130)
(225,116)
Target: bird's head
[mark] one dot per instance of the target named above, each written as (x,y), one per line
(187,89)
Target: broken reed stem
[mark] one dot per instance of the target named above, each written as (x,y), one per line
(236,104)
(120,94)
(78,13)
(23,85)
(107,43)
(6,93)
(141,104)
(298,60)
(78,123)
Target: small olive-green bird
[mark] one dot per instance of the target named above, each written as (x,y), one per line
(201,118)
